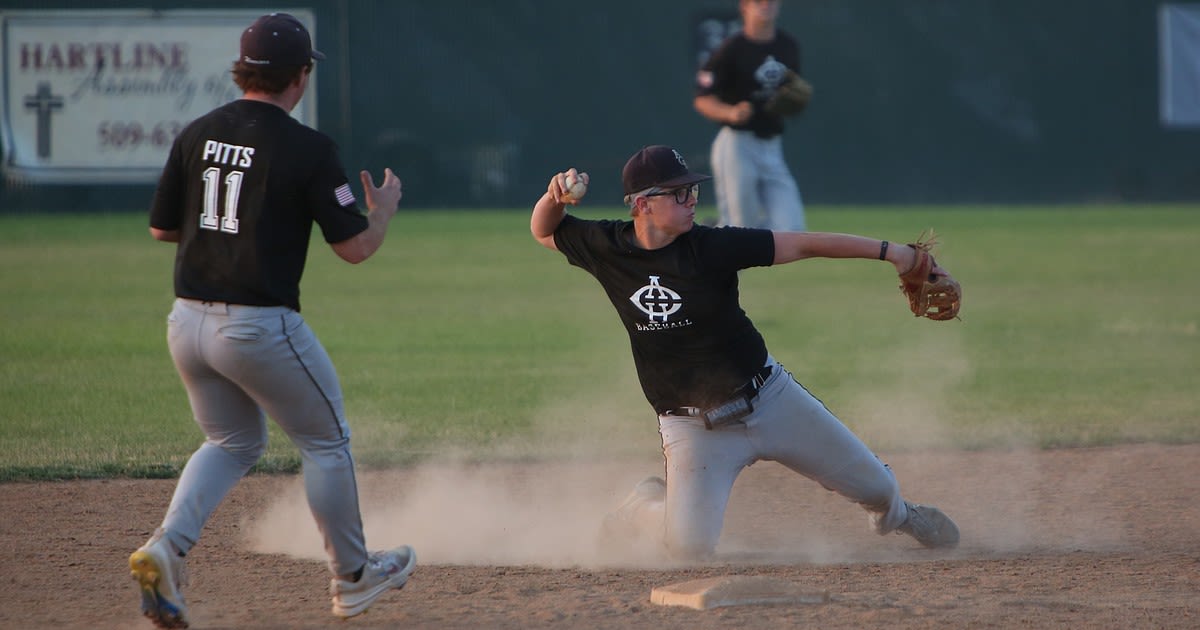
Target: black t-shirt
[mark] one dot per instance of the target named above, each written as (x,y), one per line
(693,345)
(243,185)
(743,70)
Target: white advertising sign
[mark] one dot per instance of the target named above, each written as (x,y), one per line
(1179,65)
(98,96)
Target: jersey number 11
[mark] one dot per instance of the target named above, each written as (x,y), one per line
(212,218)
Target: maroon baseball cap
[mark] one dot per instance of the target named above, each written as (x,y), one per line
(658,166)
(278,39)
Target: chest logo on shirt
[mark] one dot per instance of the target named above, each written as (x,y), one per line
(656,301)
(770,74)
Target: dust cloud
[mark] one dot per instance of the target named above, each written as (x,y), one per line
(539,500)
(472,514)
(536,500)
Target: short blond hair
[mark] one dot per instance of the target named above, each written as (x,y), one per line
(631,198)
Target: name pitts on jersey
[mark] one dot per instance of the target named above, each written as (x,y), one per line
(227,154)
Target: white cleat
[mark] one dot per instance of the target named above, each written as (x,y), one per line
(384,571)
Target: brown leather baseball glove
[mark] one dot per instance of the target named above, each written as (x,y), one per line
(791,97)
(930,290)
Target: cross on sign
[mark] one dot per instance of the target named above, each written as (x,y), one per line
(45,103)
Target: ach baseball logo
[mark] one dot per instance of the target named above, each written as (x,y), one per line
(656,301)
(770,74)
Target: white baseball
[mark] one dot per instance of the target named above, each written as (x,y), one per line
(576,188)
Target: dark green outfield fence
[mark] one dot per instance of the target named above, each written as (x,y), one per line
(474,103)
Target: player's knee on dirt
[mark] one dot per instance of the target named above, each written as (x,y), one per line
(693,552)
(691,544)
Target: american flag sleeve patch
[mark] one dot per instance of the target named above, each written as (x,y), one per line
(344,195)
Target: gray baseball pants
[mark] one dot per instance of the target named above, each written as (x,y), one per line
(239,365)
(753,185)
(789,426)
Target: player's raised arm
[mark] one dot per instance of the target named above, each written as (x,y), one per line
(567,187)
(382,204)
(793,246)
(931,291)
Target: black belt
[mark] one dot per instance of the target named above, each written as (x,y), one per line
(733,410)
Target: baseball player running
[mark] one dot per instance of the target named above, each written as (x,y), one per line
(239,194)
(754,187)
(723,402)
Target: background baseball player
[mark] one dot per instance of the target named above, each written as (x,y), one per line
(239,194)
(754,187)
(723,402)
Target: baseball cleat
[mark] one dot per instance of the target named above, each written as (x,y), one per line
(620,530)
(385,570)
(930,527)
(158,570)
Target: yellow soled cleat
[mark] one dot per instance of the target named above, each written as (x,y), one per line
(158,572)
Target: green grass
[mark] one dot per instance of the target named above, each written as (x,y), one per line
(1080,326)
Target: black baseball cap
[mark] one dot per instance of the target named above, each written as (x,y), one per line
(278,39)
(657,166)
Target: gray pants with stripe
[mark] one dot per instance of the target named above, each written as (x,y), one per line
(239,365)
(788,426)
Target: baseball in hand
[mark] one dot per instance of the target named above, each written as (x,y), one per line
(576,187)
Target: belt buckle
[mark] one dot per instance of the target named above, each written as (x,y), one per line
(761,377)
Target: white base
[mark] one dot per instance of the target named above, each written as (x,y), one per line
(734,591)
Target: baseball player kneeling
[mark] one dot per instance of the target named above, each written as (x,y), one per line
(723,402)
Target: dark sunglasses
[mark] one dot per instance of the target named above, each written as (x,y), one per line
(681,194)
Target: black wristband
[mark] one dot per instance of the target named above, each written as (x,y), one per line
(883,245)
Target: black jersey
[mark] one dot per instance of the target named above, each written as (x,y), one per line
(243,185)
(693,345)
(744,70)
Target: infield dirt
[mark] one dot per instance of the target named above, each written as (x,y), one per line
(1078,538)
